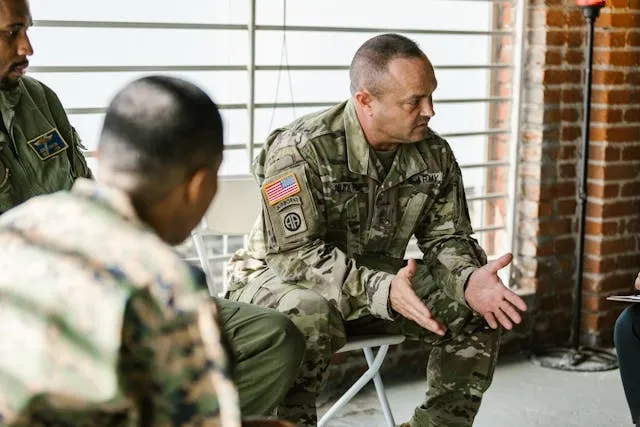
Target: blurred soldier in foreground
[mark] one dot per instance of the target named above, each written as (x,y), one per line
(102,323)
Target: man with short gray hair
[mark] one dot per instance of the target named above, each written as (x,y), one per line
(343,191)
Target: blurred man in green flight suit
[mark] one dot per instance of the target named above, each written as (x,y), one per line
(39,149)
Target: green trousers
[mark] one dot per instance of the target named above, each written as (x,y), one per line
(460,366)
(268,352)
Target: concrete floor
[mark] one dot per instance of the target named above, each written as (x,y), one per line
(522,395)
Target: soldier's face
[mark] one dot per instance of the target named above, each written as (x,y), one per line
(404,107)
(15,47)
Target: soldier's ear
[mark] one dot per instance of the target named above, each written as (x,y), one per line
(363,99)
(195,186)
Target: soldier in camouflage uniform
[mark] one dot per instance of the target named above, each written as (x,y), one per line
(343,192)
(39,149)
(102,323)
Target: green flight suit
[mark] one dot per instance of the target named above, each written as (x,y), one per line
(39,149)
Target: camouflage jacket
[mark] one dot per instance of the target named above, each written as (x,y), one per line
(39,149)
(101,321)
(335,221)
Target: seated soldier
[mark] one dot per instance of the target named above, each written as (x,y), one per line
(101,321)
(343,192)
(627,340)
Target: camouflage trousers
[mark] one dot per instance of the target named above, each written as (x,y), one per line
(460,366)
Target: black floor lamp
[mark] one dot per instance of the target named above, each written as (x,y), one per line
(576,357)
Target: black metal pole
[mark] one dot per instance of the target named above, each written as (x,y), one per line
(590,13)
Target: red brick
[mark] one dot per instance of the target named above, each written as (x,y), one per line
(617,209)
(595,171)
(552,115)
(632,115)
(570,114)
(544,248)
(630,189)
(616,20)
(607,77)
(615,96)
(622,58)
(603,190)
(633,38)
(556,226)
(571,96)
(575,38)
(628,262)
(617,134)
(621,171)
(609,246)
(610,38)
(552,96)
(575,18)
(556,76)
(600,228)
(556,37)
(567,152)
(555,17)
(606,115)
(553,57)
(592,302)
(571,133)
(566,206)
(631,152)
(574,57)
(633,78)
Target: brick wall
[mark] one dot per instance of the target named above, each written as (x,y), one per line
(551,142)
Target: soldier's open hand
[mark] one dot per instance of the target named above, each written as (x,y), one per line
(637,283)
(404,300)
(487,295)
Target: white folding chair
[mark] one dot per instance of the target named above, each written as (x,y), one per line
(233,212)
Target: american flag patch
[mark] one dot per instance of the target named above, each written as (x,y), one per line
(280,189)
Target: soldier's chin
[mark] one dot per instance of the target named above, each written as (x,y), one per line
(7,83)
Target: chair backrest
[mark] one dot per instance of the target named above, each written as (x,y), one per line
(236,206)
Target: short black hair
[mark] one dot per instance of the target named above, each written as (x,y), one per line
(370,62)
(159,130)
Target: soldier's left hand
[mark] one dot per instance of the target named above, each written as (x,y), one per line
(487,295)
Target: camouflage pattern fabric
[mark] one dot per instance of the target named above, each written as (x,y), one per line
(332,235)
(39,149)
(102,323)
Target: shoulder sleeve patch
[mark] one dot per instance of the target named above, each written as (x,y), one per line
(280,189)
(290,210)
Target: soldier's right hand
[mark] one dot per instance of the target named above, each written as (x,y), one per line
(404,300)
(637,283)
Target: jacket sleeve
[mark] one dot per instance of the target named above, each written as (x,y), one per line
(176,365)
(444,236)
(295,231)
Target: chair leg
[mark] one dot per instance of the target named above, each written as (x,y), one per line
(201,250)
(374,367)
(382,396)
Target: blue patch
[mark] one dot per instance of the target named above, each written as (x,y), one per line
(49,144)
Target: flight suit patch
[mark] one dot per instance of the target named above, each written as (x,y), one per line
(48,145)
